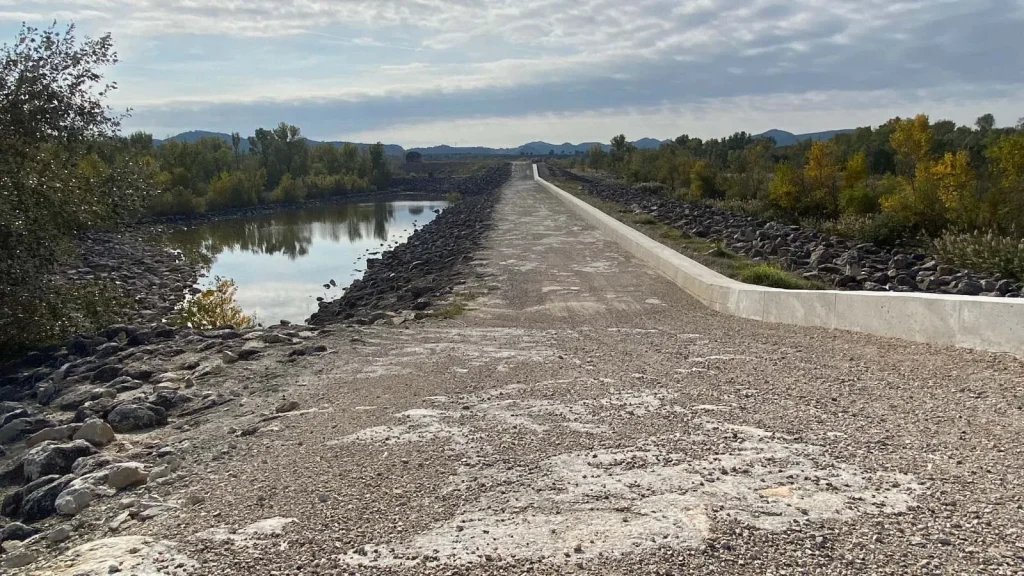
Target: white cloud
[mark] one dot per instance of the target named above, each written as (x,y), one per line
(805,112)
(405,60)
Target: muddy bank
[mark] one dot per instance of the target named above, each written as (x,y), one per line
(413,275)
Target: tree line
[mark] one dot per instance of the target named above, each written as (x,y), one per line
(907,178)
(280,165)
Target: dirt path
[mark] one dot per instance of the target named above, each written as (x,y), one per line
(585,416)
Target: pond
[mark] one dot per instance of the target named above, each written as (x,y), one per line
(282,261)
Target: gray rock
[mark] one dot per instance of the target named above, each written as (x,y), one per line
(59,534)
(968,288)
(58,434)
(287,406)
(107,373)
(988,285)
(23,427)
(121,476)
(132,417)
(946,271)
(74,399)
(900,262)
(1004,287)
(275,338)
(96,432)
(16,414)
(90,464)
(53,458)
(821,256)
(42,502)
(16,532)
(11,506)
(19,559)
(74,498)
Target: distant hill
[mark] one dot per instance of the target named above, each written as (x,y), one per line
(539,148)
(193,135)
(783,138)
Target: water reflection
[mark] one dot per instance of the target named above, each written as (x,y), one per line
(281,261)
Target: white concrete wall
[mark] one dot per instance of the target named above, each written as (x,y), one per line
(983,323)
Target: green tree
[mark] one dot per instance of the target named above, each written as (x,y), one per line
(53,183)
(380,172)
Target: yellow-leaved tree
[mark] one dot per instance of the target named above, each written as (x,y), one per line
(1005,204)
(784,188)
(956,184)
(821,175)
(911,138)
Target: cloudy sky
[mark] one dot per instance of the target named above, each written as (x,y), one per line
(504,72)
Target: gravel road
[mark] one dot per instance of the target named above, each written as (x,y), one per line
(584,416)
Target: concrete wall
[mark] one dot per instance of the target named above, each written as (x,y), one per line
(995,324)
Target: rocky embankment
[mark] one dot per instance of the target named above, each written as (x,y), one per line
(413,275)
(838,262)
(68,427)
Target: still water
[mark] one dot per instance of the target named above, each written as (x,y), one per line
(280,262)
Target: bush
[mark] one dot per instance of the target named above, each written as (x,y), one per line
(214,307)
(860,199)
(998,254)
(773,277)
(289,190)
(234,190)
(885,230)
(175,203)
(453,197)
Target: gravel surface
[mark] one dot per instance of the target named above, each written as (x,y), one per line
(583,417)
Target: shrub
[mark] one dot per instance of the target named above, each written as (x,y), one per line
(453,197)
(773,277)
(234,190)
(860,199)
(885,230)
(651,188)
(214,307)
(175,202)
(999,254)
(289,190)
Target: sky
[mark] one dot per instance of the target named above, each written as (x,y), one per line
(505,72)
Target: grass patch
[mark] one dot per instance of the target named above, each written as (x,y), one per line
(774,277)
(449,311)
(707,252)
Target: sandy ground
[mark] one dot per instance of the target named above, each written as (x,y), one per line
(587,417)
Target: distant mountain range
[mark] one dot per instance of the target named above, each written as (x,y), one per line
(782,138)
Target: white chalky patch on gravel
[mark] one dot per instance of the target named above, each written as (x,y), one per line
(136,555)
(723,357)
(654,301)
(420,425)
(617,502)
(249,535)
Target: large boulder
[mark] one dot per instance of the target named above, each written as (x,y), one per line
(96,432)
(53,458)
(132,417)
(16,531)
(11,506)
(124,475)
(42,502)
(58,433)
